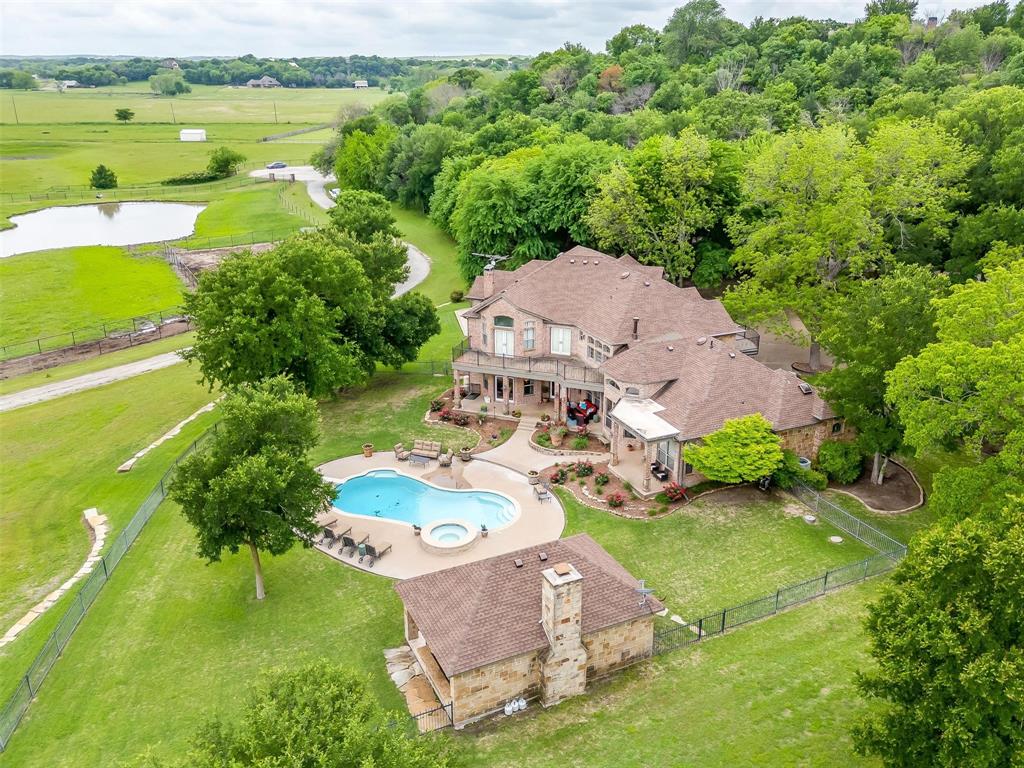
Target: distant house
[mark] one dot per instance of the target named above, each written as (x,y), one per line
(475,631)
(69,84)
(169,64)
(264,82)
(361,84)
(192,134)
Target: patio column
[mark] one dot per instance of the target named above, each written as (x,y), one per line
(456,388)
(616,439)
(648,460)
(508,392)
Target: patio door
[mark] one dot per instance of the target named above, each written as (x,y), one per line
(504,342)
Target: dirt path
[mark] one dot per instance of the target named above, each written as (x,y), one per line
(87,381)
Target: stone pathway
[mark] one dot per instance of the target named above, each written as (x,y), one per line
(407,675)
(172,432)
(97,523)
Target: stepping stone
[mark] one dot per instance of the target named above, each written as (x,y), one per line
(402,677)
(836,539)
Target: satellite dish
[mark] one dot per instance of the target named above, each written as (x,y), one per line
(492,258)
(643,590)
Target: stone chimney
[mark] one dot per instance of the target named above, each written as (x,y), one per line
(487,280)
(564,665)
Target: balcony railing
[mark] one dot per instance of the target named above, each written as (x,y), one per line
(747,340)
(540,367)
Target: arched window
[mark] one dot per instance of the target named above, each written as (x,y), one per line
(503,321)
(634,391)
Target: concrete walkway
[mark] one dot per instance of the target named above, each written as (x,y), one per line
(419,264)
(87,381)
(517,453)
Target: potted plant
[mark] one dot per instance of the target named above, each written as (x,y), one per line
(545,418)
(367,450)
(534,476)
(483,414)
(517,414)
(466,453)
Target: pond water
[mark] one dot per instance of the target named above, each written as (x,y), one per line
(100,224)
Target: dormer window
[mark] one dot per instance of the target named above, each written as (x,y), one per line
(633,391)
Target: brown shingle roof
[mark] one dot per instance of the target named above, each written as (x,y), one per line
(478,613)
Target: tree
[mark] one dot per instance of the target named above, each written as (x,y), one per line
(697,29)
(254,486)
(415,159)
(384,258)
(124,114)
(946,639)
(744,449)
(361,160)
(633,36)
(877,324)
(224,162)
(316,715)
(169,83)
(103,178)
(465,77)
(653,203)
(23,81)
(887,7)
(364,214)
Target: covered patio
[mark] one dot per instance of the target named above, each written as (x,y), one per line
(640,438)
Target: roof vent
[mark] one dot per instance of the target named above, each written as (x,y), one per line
(702,340)
(584,261)
(624,275)
(805,387)
(572,261)
(671,348)
(518,563)
(562,569)
(542,556)
(732,355)
(647,283)
(595,262)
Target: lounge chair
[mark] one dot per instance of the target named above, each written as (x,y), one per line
(330,537)
(352,541)
(429,449)
(542,493)
(445,460)
(400,453)
(374,552)
(659,472)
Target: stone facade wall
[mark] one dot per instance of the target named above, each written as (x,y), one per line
(619,646)
(805,441)
(486,689)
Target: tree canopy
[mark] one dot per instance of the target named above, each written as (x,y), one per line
(744,449)
(254,486)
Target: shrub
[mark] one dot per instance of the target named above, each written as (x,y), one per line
(584,468)
(601,479)
(224,162)
(436,405)
(579,443)
(456,296)
(103,178)
(445,414)
(616,500)
(517,414)
(559,476)
(816,480)
(674,492)
(599,490)
(841,462)
(543,439)
(195,177)
(744,449)
(460,419)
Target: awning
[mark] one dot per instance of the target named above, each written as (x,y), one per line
(641,418)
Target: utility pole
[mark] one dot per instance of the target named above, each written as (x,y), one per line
(173,118)
(15,107)
(275,110)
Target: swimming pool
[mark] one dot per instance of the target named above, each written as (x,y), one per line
(395,496)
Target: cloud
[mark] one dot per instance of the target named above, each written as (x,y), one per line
(285,28)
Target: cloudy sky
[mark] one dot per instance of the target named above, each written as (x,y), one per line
(401,28)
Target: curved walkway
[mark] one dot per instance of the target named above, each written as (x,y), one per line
(419,264)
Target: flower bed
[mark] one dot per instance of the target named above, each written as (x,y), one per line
(545,436)
(490,432)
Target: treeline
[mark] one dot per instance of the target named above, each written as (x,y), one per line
(303,72)
(680,145)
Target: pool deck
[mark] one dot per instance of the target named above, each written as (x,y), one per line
(538,521)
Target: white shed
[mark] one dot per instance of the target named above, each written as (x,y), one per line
(193,134)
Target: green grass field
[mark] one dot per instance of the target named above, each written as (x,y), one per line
(211,104)
(53,292)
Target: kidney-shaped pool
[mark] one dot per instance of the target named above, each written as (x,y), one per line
(100,224)
(392,495)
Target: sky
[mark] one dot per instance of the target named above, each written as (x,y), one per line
(285,28)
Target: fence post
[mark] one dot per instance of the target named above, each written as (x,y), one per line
(723,619)
(106,573)
(824,587)
(28,684)
(778,593)
(700,628)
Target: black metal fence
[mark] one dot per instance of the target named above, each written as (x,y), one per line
(14,709)
(433,719)
(124,332)
(889,553)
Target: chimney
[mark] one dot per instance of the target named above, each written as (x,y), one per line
(564,666)
(636,328)
(932,23)
(487,280)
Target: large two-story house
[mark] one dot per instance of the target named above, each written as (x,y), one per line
(645,365)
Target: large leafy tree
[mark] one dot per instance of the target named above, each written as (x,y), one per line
(360,162)
(254,486)
(697,29)
(315,716)
(363,213)
(744,449)
(947,637)
(653,203)
(876,325)
(415,159)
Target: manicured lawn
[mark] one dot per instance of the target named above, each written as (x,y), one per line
(59,457)
(243,211)
(109,360)
(52,292)
(444,277)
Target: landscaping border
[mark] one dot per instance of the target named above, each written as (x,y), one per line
(16,706)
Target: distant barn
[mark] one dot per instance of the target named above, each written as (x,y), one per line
(361,84)
(192,134)
(264,82)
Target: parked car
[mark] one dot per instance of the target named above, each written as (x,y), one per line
(276,165)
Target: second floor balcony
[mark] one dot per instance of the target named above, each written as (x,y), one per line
(552,368)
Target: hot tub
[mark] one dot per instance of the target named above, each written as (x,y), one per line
(448,537)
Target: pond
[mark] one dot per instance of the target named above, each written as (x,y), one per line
(100,224)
